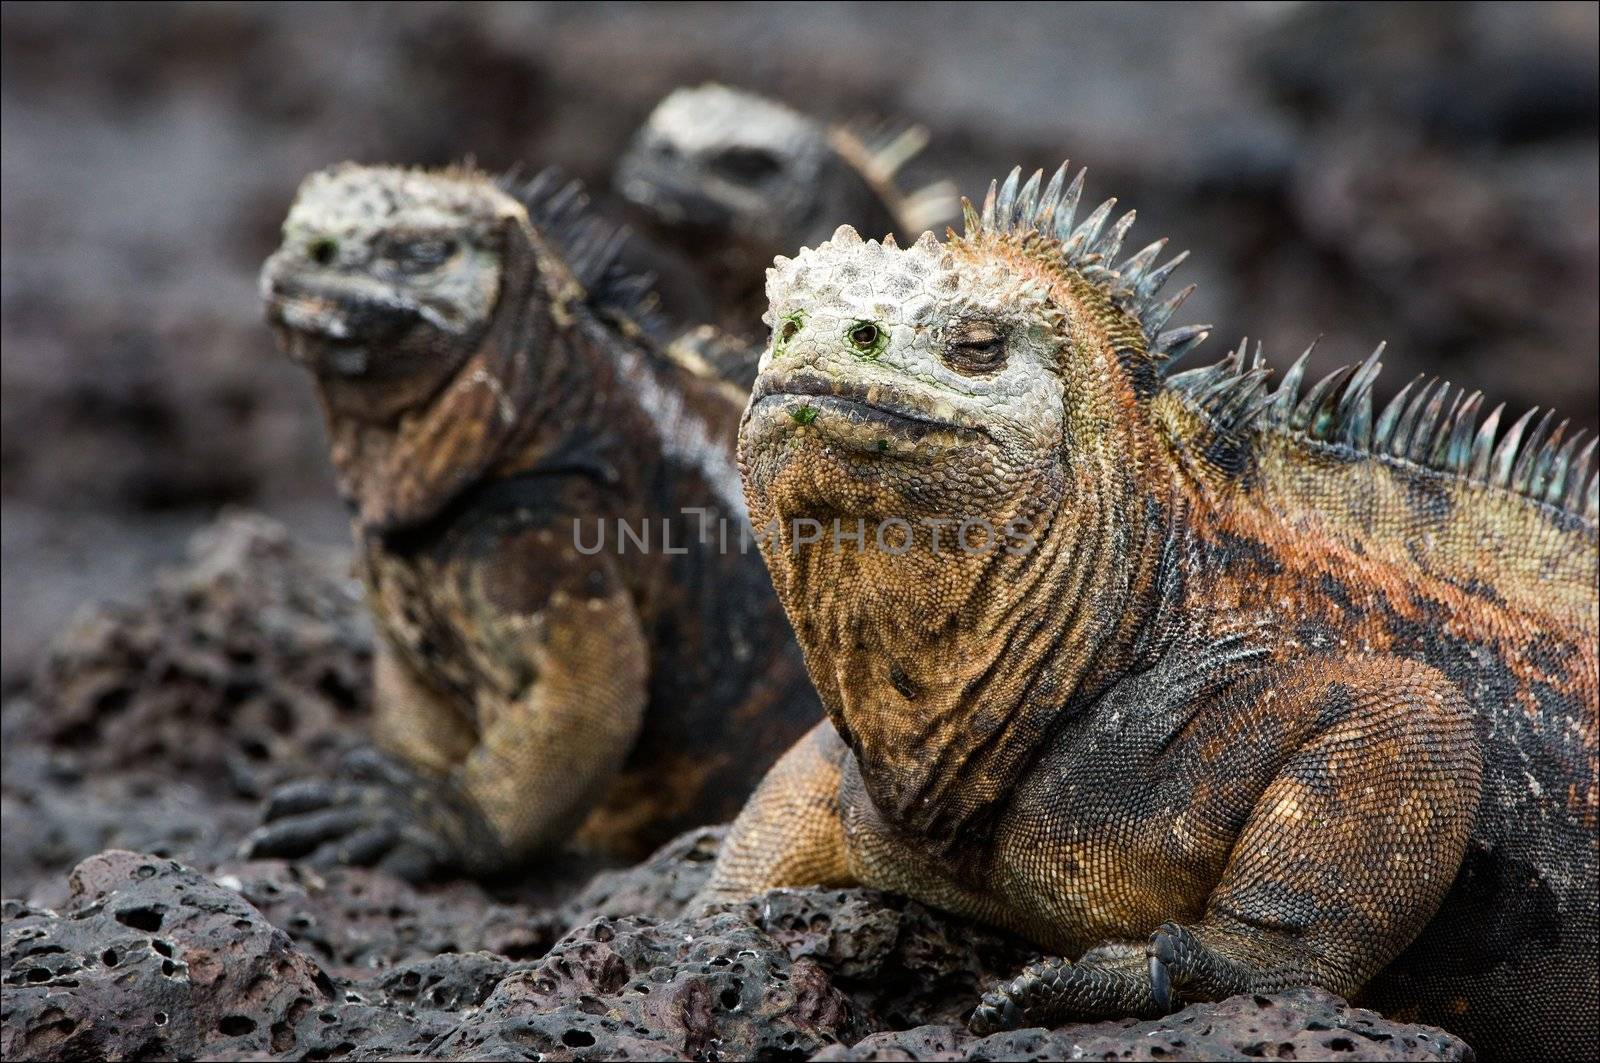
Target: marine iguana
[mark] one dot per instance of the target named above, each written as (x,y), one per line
(497,400)
(1241,687)
(733,178)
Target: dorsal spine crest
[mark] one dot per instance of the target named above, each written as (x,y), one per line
(1432,426)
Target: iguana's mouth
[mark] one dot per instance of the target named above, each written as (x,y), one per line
(325,355)
(674,198)
(335,328)
(853,412)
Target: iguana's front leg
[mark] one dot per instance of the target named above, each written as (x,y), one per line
(790,832)
(1341,861)
(548,755)
(477,795)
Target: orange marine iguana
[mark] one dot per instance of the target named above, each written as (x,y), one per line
(1230,687)
(496,403)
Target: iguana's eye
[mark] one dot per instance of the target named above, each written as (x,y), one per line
(867,338)
(746,165)
(976,347)
(787,330)
(421,255)
(324,250)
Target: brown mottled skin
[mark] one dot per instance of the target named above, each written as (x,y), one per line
(1259,703)
(482,396)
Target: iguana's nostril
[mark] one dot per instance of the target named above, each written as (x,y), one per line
(324,250)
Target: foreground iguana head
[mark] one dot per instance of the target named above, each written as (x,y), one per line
(980,379)
(715,161)
(386,280)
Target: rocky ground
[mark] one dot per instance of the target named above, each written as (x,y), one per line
(151,731)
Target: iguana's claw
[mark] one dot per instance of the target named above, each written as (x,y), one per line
(1160,983)
(297,798)
(382,814)
(996,1012)
(1171,950)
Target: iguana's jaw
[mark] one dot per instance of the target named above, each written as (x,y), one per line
(375,354)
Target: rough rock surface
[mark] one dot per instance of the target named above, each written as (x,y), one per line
(149,959)
(1297,1024)
(156,725)
(251,658)
(353,920)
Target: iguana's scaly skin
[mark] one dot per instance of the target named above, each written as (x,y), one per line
(487,385)
(1259,690)
(733,178)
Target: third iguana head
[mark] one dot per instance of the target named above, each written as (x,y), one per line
(757,177)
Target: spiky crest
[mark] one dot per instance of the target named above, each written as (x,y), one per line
(879,151)
(1427,425)
(592,247)
(1088,247)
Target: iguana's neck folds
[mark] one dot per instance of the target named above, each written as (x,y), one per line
(946,668)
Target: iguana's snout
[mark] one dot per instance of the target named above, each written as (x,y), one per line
(333,325)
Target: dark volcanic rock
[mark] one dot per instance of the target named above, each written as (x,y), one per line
(155,725)
(1297,1024)
(243,665)
(355,921)
(150,959)
(627,989)
(900,962)
(658,888)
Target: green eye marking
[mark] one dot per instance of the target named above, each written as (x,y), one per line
(803,414)
(867,338)
(787,329)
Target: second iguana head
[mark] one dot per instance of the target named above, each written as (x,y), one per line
(386,280)
(452,322)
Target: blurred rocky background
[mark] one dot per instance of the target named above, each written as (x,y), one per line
(1423,174)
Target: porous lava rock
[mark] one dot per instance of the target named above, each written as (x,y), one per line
(149,958)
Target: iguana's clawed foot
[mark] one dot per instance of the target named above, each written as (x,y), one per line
(1007,1007)
(379,814)
(1054,991)
(1108,982)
